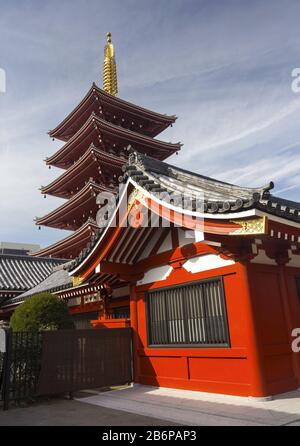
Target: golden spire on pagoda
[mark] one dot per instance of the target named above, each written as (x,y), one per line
(110,82)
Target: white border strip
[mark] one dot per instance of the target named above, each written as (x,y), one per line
(249,213)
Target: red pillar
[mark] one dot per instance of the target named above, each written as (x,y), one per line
(288,317)
(134,326)
(258,387)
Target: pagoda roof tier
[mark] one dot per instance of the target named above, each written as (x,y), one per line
(70,246)
(109,137)
(113,109)
(73,213)
(94,164)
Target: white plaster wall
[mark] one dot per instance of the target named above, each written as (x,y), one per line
(156,274)
(205,263)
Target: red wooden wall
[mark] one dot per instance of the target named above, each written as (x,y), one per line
(259,362)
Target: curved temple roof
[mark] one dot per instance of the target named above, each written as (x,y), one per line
(220,198)
(217,196)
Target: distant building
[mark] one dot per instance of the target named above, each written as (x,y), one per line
(20,271)
(18,248)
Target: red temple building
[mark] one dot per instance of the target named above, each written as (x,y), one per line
(209,284)
(214,290)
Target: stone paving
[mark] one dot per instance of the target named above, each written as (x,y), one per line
(150,406)
(201,409)
(59,412)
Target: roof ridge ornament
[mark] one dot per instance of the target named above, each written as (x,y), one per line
(110,82)
(266,192)
(135,158)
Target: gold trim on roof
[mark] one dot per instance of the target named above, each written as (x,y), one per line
(136,195)
(110,82)
(77,281)
(251,226)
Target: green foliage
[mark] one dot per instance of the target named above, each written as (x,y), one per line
(43,311)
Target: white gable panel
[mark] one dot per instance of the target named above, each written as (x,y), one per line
(206,263)
(156,274)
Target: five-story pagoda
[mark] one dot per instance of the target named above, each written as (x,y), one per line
(96,136)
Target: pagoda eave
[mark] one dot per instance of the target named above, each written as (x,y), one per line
(97,98)
(74,212)
(70,246)
(95,129)
(88,166)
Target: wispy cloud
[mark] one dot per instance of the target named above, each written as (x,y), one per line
(223,67)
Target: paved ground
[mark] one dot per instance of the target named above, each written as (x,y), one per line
(200,409)
(73,413)
(150,406)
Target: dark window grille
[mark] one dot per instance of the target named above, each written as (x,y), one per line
(121,313)
(192,314)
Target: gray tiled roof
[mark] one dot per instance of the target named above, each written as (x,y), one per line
(57,279)
(20,273)
(219,197)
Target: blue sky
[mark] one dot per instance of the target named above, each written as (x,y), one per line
(222,66)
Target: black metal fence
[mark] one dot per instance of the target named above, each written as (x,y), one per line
(21,365)
(57,362)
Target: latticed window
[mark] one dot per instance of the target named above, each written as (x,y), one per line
(192,314)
